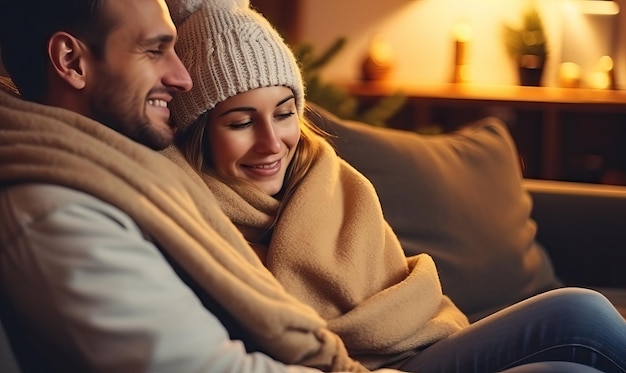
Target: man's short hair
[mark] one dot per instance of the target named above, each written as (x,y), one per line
(27,25)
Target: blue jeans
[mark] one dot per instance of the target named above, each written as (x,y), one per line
(569,324)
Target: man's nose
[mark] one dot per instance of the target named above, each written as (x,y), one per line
(178,77)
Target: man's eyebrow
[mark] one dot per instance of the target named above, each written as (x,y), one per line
(162,38)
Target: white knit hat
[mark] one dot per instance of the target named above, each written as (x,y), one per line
(228,49)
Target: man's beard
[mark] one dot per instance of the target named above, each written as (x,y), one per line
(119,109)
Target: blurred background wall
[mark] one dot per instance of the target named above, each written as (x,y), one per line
(420,34)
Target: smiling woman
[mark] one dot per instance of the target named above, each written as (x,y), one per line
(253,136)
(281,177)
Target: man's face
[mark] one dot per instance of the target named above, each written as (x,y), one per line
(132,84)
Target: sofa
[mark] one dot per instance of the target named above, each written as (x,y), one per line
(495,236)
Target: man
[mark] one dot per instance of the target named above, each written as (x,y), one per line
(124,80)
(111,257)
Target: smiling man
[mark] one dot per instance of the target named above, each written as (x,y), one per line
(113,61)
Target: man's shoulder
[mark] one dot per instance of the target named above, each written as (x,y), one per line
(38,199)
(26,204)
(46,192)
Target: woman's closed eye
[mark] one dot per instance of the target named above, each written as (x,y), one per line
(283,116)
(240,125)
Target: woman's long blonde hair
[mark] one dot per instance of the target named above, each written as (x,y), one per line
(193,143)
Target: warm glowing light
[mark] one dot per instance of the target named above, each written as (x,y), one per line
(606,63)
(463,31)
(598,80)
(569,75)
(463,34)
(381,51)
(594,7)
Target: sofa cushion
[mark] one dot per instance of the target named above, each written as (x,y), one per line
(458,197)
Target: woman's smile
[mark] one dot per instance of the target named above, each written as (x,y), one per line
(263,169)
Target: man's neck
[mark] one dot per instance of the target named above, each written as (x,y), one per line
(67,98)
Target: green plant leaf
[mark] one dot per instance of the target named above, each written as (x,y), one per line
(530,38)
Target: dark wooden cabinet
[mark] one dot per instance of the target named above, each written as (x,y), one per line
(570,134)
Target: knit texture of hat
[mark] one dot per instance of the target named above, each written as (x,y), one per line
(228,49)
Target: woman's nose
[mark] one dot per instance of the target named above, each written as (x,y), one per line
(267,140)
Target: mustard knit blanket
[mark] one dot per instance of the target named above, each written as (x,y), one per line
(332,249)
(44,144)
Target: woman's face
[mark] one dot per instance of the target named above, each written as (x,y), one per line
(254,136)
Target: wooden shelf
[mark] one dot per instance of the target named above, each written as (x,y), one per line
(554,107)
(511,94)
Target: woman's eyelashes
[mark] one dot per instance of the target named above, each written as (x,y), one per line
(283,116)
(241,124)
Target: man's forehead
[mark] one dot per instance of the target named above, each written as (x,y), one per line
(138,9)
(146,19)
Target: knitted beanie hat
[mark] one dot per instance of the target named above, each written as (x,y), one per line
(228,49)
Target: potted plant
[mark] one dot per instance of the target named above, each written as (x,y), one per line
(528,46)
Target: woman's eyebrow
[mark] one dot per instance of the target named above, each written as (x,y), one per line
(242,108)
(285,100)
(247,108)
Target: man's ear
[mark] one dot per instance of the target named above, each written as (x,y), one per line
(68,56)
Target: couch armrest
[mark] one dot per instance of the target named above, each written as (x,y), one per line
(583,228)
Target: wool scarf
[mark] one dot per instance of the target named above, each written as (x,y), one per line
(332,249)
(43,144)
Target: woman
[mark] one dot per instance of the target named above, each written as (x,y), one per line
(317,224)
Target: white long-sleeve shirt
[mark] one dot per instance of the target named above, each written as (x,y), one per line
(94,294)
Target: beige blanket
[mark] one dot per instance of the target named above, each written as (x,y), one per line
(332,249)
(51,145)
